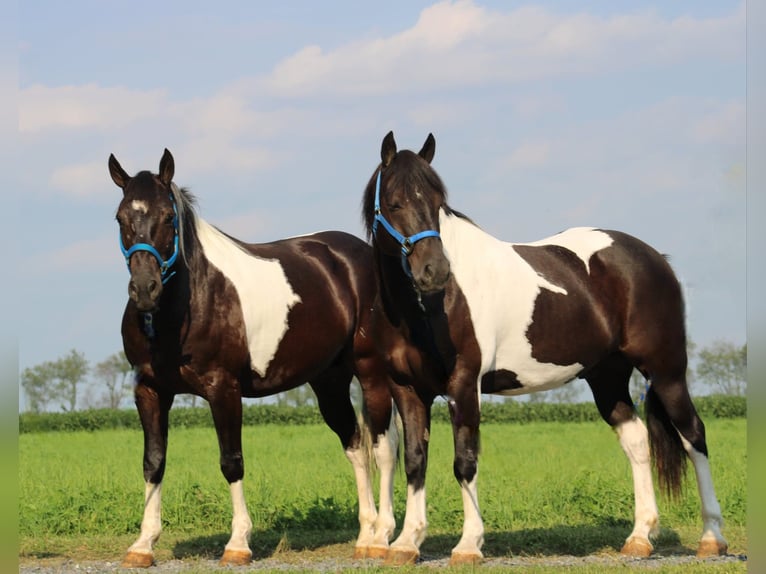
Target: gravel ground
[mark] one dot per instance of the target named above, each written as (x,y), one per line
(338,564)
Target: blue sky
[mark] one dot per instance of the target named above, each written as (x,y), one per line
(547,115)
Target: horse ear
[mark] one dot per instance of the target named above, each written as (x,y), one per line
(428,149)
(119,175)
(167,167)
(388,149)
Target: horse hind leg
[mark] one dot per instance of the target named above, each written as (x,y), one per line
(609,383)
(675,424)
(334,400)
(381,443)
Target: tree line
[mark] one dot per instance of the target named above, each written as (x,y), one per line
(70,382)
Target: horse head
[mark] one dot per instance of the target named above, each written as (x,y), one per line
(149,236)
(403,214)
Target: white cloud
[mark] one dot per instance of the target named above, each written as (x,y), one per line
(85,107)
(96,254)
(80,180)
(529,155)
(461,44)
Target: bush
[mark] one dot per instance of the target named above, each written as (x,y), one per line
(716,406)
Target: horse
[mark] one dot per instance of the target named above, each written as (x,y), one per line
(460,313)
(213,316)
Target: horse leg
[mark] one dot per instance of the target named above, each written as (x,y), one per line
(416,420)
(670,411)
(382,438)
(333,396)
(609,382)
(226,408)
(464,414)
(153,411)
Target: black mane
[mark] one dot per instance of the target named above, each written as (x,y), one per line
(407,168)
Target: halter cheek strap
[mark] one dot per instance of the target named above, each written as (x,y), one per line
(407,243)
(165,264)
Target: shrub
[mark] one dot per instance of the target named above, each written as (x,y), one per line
(715,406)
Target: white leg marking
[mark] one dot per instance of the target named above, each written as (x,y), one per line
(241,524)
(367,513)
(151,524)
(385,457)
(634,441)
(712,521)
(473,527)
(415,524)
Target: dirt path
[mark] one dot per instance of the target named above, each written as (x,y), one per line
(609,562)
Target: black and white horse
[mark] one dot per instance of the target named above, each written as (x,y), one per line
(222,319)
(460,313)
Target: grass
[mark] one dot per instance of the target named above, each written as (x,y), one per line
(546,489)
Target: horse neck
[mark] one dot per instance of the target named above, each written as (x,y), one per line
(399,297)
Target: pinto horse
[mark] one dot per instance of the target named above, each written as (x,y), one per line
(460,313)
(222,319)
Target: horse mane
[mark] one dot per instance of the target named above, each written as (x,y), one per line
(186,206)
(410,169)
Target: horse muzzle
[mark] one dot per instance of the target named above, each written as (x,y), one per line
(145,285)
(145,293)
(432,276)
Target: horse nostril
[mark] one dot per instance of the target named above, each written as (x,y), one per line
(152,288)
(428,271)
(132,290)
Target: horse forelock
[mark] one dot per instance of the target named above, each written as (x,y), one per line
(407,169)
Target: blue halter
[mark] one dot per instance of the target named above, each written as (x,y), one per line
(165,265)
(407,243)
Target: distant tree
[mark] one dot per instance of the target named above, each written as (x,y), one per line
(55,382)
(69,372)
(114,375)
(36,384)
(186,400)
(723,366)
(298,397)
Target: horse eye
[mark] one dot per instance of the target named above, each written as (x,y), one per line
(169,219)
(394,207)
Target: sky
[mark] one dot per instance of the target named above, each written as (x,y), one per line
(547,115)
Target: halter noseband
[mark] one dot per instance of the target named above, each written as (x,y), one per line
(407,243)
(165,265)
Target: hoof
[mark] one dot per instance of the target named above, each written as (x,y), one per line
(236,558)
(637,548)
(360,552)
(460,558)
(377,552)
(137,560)
(708,548)
(399,557)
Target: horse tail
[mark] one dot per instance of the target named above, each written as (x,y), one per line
(667,450)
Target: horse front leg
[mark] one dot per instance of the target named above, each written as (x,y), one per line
(416,420)
(153,411)
(226,407)
(464,414)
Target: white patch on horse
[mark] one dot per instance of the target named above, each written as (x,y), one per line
(582,241)
(139,205)
(501,288)
(265,295)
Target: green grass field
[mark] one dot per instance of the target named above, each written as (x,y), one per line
(544,488)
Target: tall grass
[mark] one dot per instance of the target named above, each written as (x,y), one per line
(543,488)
